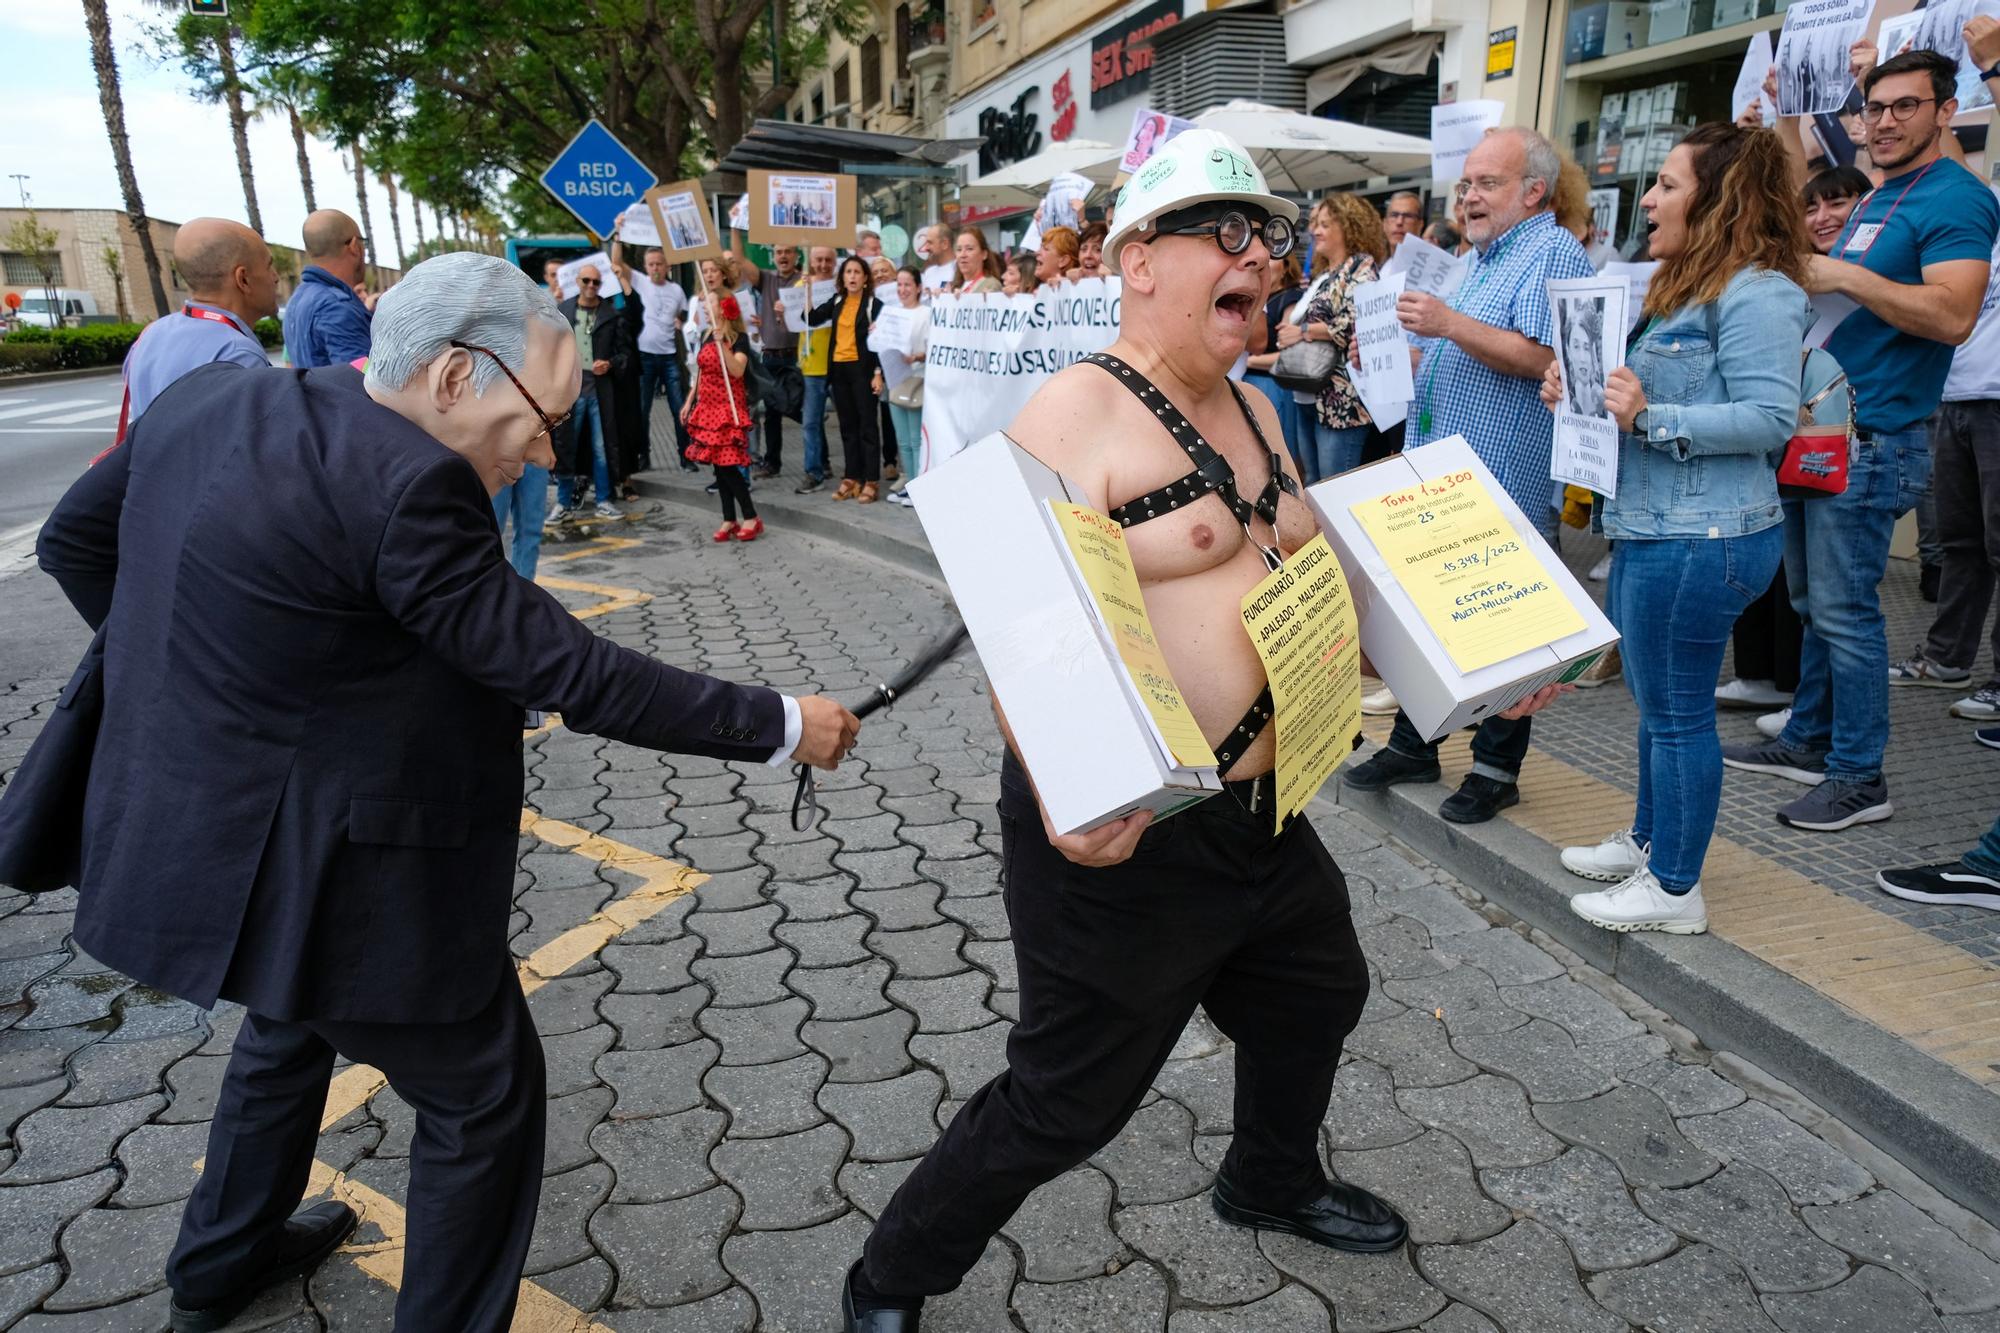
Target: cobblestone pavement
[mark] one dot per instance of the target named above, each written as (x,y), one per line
(740,1075)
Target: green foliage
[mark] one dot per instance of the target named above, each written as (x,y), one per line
(75,349)
(269,332)
(19,356)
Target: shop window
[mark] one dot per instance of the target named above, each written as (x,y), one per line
(1398,102)
(1613,28)
(871,72)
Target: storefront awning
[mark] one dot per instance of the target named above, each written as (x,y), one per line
(782,145)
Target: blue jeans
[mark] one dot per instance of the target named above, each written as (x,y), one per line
(815,426)
(909,423)
(659,370)
(1985,858)
(588,423)
(1288,421)
(1675,601)
(528,501)
(1836,551)
(1336,449)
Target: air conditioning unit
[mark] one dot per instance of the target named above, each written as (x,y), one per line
(901,93)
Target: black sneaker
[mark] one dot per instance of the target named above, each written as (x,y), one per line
(1988,736)
(1833,806)
(1771,757)
(1478,799)
(1386,768)
(1952,882)
(809,485)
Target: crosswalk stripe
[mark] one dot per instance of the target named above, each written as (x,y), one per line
(36,409)
(88,414)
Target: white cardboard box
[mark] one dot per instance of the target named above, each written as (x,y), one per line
(1088,742)
(1405,652)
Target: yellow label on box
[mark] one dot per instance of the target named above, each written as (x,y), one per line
(1301,621)
(1478,583)
(1098,545)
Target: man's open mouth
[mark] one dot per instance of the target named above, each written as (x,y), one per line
(1237,305)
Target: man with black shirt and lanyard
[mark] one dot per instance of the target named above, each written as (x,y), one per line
(1122,931)
(1910,269)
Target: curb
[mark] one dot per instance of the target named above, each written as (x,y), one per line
(53,376)
(1939,1123)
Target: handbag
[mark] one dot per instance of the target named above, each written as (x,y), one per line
(1817,455)
(909,393)
(1305,367)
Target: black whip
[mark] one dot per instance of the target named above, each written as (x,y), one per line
(805,800)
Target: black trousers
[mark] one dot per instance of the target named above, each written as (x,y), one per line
(734,488)
(1768,636)
(1380,444)
(1965,487)
(774,420)
(885,425)
(475,1163)
(1499,745)
(860,437)
(1212,910)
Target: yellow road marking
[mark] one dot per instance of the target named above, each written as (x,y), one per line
(615,599)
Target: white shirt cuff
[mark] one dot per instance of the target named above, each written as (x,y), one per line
(795,726)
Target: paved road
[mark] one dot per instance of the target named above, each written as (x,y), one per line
(741,1073)
(48,432)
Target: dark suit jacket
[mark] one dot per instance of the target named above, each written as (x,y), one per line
(306,794)
(613,338)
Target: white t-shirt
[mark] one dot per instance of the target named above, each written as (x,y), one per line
(664,303)
(1975,366)
(938,276)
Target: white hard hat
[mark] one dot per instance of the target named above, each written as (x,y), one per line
(1193,167)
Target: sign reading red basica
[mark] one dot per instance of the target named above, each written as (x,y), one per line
(1121,56)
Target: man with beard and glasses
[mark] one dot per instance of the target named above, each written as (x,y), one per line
(1122,931)
(1484,351)
(1911,267)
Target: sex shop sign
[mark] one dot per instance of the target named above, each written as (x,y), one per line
(1121,55)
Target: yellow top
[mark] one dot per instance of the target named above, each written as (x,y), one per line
(814,344)
(846,347)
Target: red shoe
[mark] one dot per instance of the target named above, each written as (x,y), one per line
(751,531)
(725,532)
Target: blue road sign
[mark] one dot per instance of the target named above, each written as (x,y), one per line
(597,178)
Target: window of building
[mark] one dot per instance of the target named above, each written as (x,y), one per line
(819,106)
(24,270)
(982,12)
(871,72)
(902,41)
(842,86)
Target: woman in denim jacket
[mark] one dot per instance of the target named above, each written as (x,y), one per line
(1708,397)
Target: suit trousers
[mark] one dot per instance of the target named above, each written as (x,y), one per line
(860,440)
(477,1090)
(1212,910)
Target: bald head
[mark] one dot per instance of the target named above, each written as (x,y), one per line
(226,264)
(334,243)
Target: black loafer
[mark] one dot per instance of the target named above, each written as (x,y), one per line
(1345,1217)
(873,1321)
(1478,799)
(310,1235)
(1386,768)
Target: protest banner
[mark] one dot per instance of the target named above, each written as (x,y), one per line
(1813,54)
(1589,315)
(1456,128)
(989,353)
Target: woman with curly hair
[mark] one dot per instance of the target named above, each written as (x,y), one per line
(1348,245)
(1056,259)
(1706,400)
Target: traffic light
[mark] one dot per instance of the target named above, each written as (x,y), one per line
(213,8)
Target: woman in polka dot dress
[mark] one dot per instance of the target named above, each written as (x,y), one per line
(717,416)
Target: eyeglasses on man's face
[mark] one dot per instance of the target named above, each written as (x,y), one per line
(549,424)
(1403,215)
(1233,232)
(1899,110)
(1484,185)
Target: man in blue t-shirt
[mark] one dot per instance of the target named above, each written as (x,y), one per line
(1912,262)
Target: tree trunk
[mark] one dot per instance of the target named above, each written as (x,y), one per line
(361,199)
(98,21)
(395,220)
(417,213)
(305,163)
(239,123)
(437,216)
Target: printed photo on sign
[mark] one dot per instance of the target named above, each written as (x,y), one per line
(1940,27)
(802,201)
(1813,54)
(1604,217)
(788,208)
(1590,344)
(1150,129)
(681,216)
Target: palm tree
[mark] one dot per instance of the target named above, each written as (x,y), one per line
(361,198)
(284,88)
(98,20)
(395,217)
(239,120)
(417,212)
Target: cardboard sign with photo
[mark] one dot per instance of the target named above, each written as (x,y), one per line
(681,216)
(1813,54)
(1589,315)
(1150,129)
(1940,27)
(796,208)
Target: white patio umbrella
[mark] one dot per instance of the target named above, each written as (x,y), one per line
(1301,154)
(1023,183)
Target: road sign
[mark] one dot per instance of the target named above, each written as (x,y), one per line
(597,178)
(13,300)
(214,8)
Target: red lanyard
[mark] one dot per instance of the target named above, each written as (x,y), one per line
(196,313)
(1854,219)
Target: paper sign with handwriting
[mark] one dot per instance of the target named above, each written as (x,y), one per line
(1301,621)
(1097,546)
(1478,583)
(1383,376)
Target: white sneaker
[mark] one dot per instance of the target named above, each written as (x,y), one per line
(1601,571)
(607,510)
(1773,725)
(1617,857)
(1641,904)
(1378,702)
(1758,694)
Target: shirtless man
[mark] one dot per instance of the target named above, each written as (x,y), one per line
(1120,932)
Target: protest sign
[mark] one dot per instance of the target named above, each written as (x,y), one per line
(1757,62)
(1589,316)
(566,275)
(1301,621)
(889,338)
(1812,54)
(1383,376)
(679,211)
(989,353)
(798,208)
(1150,129)
(1456,127)
(798,300)
(1425,268)
(1940,26)
(636,227)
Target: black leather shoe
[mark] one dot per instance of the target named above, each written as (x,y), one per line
(1386,768)
(1478,799)
(309,1236)
(1345,1217)
(873,1321)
